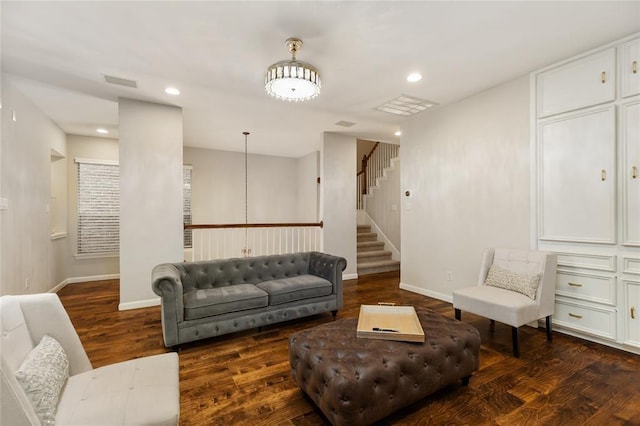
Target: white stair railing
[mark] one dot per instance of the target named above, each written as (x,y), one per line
(373,166)
(243,240)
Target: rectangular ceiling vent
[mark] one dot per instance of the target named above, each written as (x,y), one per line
(344,123)
(120,81)
(406,106)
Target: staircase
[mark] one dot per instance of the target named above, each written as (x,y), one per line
(372,257)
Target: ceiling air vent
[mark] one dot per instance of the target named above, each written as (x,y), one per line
(344,123)
(120,81)
(406,106)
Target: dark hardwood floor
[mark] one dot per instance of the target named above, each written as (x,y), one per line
(244,378)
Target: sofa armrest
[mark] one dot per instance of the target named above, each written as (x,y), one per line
(330,268)
(166,283)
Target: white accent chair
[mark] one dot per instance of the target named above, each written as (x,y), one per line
(506,306)
(142,391)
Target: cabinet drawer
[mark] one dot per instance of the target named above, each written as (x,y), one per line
(595,288)
(598,262)
(584,82)
(599,322)
(630,67)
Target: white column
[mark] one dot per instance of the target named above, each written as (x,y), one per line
(150,196)
(338,186)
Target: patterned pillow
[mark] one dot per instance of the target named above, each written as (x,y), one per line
(526,283)
(42,375)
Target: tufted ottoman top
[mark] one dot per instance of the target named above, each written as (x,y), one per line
(359,381)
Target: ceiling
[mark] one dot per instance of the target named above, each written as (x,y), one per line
(216,53)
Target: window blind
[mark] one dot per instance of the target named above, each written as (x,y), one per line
(98,208)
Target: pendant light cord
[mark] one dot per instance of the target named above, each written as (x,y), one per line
(246,202)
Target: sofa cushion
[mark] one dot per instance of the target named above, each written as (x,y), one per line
(142,391)
(42,375)
(208,302)
(296,288)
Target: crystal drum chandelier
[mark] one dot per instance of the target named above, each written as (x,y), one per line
(292,80)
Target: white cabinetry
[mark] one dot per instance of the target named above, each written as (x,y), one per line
(581,83)
(630,138)
(578,158)
(630,67)
(632,296)
(586,136)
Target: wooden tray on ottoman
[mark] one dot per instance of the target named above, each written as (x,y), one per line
(389,323)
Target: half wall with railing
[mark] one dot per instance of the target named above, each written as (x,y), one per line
(222,241)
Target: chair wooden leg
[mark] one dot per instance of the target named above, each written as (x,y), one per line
(549,330)
(492,325)
(516,346)
(458,314)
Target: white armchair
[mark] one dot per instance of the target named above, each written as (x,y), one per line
(515,287)
(140,391)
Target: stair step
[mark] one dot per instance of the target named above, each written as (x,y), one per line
(370,246)
(373,255)
(366,236)
(366,268)
(364,228)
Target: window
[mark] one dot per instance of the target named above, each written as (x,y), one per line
(98,207)
(186,204)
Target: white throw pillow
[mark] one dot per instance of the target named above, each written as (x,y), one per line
(525,283)
(42,375)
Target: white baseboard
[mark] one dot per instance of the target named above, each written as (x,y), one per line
(92,278)
(139,304)
(349,276)
(425,292)
(60,286)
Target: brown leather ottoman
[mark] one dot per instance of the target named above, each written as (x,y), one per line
(359,381)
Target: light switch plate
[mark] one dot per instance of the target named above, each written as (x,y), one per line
(4,204)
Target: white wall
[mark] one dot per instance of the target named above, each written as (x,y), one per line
(27,249)
(383,204)
(218,187)
(338,188)
(308,188)
(94,148)
(468,167)
(150,196)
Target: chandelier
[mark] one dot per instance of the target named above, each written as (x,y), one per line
(292,80)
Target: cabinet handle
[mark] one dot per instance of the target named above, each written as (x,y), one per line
(633,312)
(603,175)
(575,315)
(575,284)
(634,67)
(634,172)
(603,77)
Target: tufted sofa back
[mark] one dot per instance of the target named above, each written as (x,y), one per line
(250,270)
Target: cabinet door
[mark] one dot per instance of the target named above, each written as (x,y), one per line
(577,177)
(578,84)
(630,67)
(631,317)
(630,138)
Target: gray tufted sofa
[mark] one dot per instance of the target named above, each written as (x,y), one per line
(211,298)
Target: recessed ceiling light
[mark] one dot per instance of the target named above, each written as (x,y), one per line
(102,131)
(171,91)
(413,77)
(398,133)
